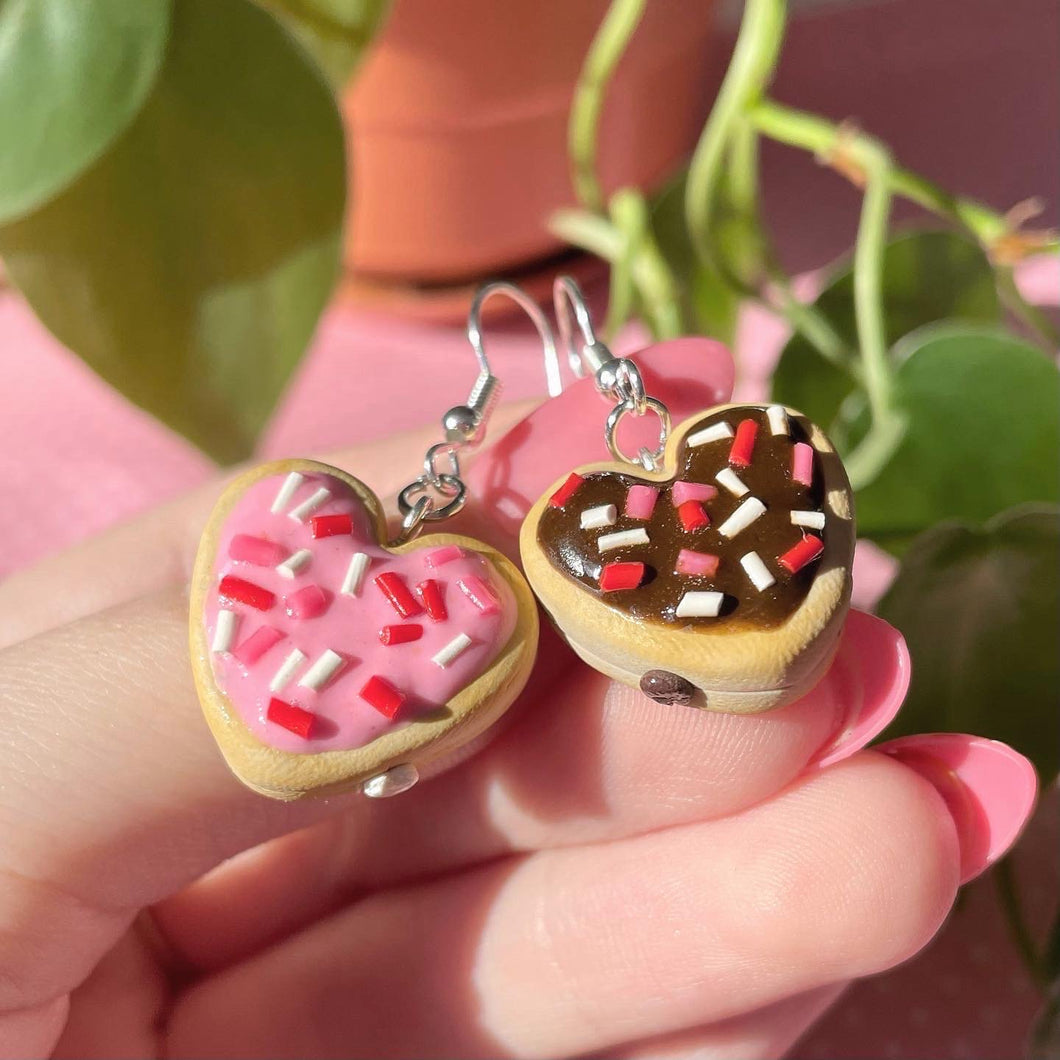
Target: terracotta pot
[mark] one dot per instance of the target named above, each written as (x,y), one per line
(459,125)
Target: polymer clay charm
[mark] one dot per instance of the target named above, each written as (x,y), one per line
(328,659)
(713,571)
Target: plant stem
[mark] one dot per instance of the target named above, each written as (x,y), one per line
(750,71)
(825,138)
(812,325)
(630,216)
(868,283)
(887,427)
(649,269)
(604,53)
(1005,882)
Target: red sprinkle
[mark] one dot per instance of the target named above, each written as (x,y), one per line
(381,694)
(290,717)
(330,525)
(621,576)
(431,595)
(308,602)
(256,550)
(566,491)
(244,592)
(393,587)
(806,551)
(693,516)
(743,445)
(400,634)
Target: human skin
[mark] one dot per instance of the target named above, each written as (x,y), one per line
(609,875)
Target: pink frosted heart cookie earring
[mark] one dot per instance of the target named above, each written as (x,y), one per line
(712,570)
(329,658)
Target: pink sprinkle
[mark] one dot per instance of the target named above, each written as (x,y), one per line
(640,501)
(479,593)
(691,491)
(802,463)
(308,602)
(440,556)
(702,563)
(257,644)
(249,549)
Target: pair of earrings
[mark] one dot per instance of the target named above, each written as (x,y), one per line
(711,570)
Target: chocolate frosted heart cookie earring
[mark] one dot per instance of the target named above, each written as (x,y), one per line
(711,570)
(327,658)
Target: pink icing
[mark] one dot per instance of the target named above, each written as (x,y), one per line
(691,491)
(640,501)
(312,615)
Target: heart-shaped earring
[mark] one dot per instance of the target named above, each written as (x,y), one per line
(712,570)
(327,657)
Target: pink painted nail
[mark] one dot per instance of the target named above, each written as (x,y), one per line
(868,679)
(989,789)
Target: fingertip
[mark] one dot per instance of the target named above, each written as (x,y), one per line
(989,789)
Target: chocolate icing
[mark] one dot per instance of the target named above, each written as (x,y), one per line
(574,551)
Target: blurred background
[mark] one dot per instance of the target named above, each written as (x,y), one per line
(232,228)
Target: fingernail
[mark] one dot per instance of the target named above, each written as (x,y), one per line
(871,675)
(989,789)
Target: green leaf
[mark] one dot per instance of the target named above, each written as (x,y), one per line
(980,610)
(73,75)
(190,265)
(927,276)
(982,413)
(335,32)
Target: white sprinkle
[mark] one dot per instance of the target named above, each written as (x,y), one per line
(457,646)
(700,605)
(594,518)
(294,563)
(757,571)
(310,505)
(322,670)
(727,477)
(778,419)
(742,518)
(714,433)
(286,670)
(814,520)
(225,631)
(351,584)
(622,538)
(287,491)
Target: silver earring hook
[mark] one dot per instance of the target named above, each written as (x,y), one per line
(440,491)
(616,378)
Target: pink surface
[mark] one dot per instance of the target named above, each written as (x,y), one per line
(349,625)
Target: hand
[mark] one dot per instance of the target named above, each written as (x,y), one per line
(610,875)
